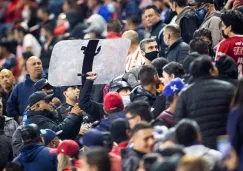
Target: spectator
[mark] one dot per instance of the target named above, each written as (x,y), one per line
(199,45)
(28,42)
(67,155)
(50,138)
(114,29)
(48,41)
(41,113)
(137,112)
(135,57)
(6,153)
(210,18)
(120,135)
(7,85)
(177,49)
(231,29)
(96,159)
(186,19)
(207,36)
(149,83)
(228,70)
(152,17)
(191,163)
(148,160)
(33,155)
(168,164)
(62,25)
(159,63)
(114,108)
(133,22)
(194,104)
(171,92)
(172,70)
(234,128)
(8,59)
(44,15)
(193,144)
(143,143)
(149,50)
(18,99)
(14,166)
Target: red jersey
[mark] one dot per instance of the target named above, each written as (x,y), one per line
(232,47)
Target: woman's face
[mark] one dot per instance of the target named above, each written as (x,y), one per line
(166,78)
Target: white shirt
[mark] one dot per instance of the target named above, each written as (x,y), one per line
(30,41)
(134,59)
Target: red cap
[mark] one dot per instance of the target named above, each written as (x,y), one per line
(68,147)
(112,101)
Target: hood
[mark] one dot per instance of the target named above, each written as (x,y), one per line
(139,93)
(30,151)
(8,118)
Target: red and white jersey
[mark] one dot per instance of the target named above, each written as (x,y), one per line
(232,47)
(134,59)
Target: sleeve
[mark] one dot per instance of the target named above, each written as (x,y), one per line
(27,42)
(221,48)
(17,141)
(94,109)
(159,105)
(130,164)
(180,111)
(12,104)
(183,52)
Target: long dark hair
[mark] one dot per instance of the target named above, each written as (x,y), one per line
(238,98)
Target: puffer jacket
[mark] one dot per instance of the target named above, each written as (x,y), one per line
(5,150)
(206,101)
(139,93)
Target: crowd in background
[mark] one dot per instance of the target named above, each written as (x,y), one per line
(177,107)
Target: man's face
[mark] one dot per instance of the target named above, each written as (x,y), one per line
(34,67)
(150,47)
(225,30)
(166,78)
(72,93)
(125,92)
(151,17)
(143,140)
(133,120)
(6,79)
(44,105)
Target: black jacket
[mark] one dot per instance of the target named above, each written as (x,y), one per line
(87,105)
(45,121)
(6,154)
(157,34)
(177,51)
(206,101)
(130,159)
(139,93)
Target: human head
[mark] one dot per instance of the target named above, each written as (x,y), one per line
(202,7)
(175,4)
(203,33)
(148,76)
(34,68)
(14,166)
(43,85)
(227,66)
(190,129)
(71,93)
(2,122)
(192,163)
(39,101)
(69,4)
(149,50)
(138,111)
(131,35)
(159,63)
(43,13)
(29,12)
(5,49)
(120,86)
(6,79)
(31,134)
(152,15)
(113,103)
(92,138)
(199,45)
(67,147)
(92,4)
(50,138)
(47,31)
(114,25)
(95,159)
(120,130)
(19,33)
(142,137)
(203,66)
(171,71)
(132,22)
(171,34)
(232,21)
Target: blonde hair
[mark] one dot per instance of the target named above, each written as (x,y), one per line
(63,162)
(192,163)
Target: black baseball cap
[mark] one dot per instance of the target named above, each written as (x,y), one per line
(38,96)
(200,2)
(30,132)
(42,83)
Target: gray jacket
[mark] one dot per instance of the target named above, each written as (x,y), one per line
(177,52)
(10,126)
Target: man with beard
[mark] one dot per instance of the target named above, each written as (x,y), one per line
(7,84)
(232,45)
(18,99)
(42,114)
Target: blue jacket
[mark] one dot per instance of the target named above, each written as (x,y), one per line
(235,132)
(19,98)
(104,125)
(36,157)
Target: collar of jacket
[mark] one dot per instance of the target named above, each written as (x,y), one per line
(215,13)
(29,81)
(182,14)
(156,24)
(175,44)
